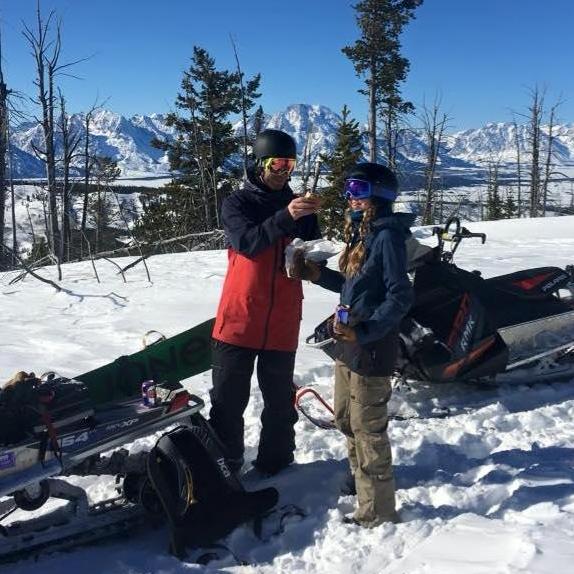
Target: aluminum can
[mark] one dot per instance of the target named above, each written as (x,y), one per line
(342,314)
(148,393)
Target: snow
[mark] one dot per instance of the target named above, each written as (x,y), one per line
(489,489)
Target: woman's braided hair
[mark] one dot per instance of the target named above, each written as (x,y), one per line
(353,255)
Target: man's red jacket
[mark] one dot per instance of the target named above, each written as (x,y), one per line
(260,307)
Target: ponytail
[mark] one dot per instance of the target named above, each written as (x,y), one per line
(353,255)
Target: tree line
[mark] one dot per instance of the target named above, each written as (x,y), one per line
(208,159)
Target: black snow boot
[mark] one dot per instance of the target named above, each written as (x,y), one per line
(348,487)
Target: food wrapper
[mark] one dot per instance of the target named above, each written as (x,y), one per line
(316,250)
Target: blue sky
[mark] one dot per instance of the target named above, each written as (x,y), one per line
(480,56)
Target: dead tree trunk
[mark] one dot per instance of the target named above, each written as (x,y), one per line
(70,142)
(46,44)
(243,110)
(434,126)
(372,116)
(536,110)
(13,201)
(3,149)
(518,171)
(88,161)
(548,162)
(391,138)
(46,53)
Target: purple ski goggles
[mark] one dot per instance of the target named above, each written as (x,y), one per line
(357,189)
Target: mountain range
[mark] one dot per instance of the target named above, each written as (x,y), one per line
(129,141)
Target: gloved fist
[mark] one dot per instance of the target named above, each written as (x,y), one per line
(303,269)
(19,378)
(344,333)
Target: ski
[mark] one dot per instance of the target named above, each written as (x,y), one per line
(171,360)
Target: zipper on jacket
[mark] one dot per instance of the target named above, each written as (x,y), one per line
(272,298)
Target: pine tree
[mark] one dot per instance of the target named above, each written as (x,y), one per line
(510,208)
(376,55)
(347,152)
(201,151)
(105,170)
(257,123)
(494,203)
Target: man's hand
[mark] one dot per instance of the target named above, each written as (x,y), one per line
(301,206)
(344,333)
(303,269)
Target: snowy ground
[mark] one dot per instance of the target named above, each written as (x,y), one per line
(488,490)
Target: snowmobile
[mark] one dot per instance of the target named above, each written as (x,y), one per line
(53,431)
(507,328)
(71,438)
(512,328)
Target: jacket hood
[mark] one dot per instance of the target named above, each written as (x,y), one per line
(399,221)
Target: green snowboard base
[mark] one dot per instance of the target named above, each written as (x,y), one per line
(171,360)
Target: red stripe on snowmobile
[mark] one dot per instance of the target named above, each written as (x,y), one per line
(531,282)
(179,402)
(459,320)
(450,371)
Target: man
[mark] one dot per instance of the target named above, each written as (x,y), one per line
(260,308)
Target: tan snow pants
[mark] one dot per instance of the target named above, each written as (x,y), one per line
(361,415)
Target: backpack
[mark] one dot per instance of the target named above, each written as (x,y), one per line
(202,499)
(31,406)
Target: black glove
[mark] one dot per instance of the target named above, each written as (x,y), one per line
(303,269)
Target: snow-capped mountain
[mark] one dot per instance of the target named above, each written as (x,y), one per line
(311,126)
(498,142)
(126,139)
(129,141)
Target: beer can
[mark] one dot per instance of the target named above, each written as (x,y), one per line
(342,314)
(152,400)
(148,393)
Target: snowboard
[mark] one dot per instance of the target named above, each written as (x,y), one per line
(171,360)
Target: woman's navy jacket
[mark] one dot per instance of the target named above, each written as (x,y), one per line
(379,296)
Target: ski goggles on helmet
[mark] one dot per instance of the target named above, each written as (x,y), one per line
(357,189)
(279,164)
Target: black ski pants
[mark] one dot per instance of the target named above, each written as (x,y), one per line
(232,370)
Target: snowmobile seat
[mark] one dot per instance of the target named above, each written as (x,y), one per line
(537,283)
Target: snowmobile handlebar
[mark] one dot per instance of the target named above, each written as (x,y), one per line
(455,236)
(458,233)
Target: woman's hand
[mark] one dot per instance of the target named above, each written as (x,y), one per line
(303,269)
(344,333)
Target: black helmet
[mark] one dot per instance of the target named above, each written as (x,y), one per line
(274,143)
(384,182)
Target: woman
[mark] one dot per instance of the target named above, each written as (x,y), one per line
(375,295)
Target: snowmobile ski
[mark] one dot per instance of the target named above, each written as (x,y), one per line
(529,342)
